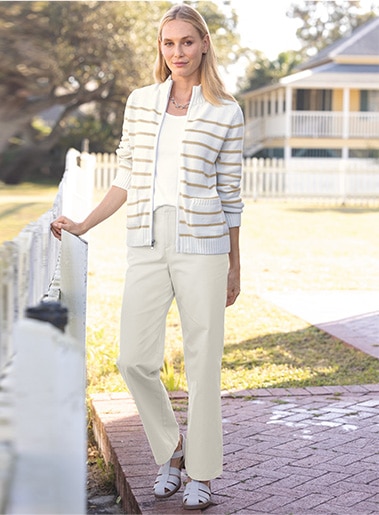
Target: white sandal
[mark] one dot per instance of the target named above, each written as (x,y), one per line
(197,496)
(169,478)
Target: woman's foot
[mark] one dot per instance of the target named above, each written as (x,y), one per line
(169,478)
(197,495)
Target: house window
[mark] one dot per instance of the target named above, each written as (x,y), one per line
(316,152)
(313,100)
(369,100)
(365,153)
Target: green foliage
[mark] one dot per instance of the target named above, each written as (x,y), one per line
(172,378)
(322,23)
(76,55)
(325,21)
(262,72)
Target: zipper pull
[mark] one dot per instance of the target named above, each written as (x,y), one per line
(152,244)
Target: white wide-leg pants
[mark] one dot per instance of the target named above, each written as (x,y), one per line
(198,282)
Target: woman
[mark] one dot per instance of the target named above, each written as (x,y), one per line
(180,161)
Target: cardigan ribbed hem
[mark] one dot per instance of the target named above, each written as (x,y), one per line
(184,245)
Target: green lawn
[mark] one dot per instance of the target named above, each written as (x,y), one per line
(285,246)
(22,204)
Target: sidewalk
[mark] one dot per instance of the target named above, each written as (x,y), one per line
(296,451)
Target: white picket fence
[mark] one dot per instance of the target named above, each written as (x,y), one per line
(300,178)
(303,178)
(43,443)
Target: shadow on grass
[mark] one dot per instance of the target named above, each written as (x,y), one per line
(306,357)
(16,208)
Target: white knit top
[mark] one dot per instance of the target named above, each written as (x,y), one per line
(168,161)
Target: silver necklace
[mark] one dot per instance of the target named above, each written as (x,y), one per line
(179,106)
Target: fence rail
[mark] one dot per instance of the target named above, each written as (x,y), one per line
(342,180)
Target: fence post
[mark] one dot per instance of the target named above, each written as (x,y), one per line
(77,184)
(49,419)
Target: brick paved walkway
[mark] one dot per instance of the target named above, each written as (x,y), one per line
(287,451)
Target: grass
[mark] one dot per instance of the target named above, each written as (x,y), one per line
(22,204)
(285,246)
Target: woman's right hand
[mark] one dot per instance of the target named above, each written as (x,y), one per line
(62,222)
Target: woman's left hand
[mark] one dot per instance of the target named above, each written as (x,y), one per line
(233,286)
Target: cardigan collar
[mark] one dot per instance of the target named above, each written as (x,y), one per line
(197,95)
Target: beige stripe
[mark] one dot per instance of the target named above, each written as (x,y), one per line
(223,151)
(148,147)
(213,122)
(138,227)
(152,134)
(196,185)
(231,175)
(225,163)
(210,213)
(140,201)
(202,225)
(210,134)
(230,190)
(200,145)
(135,215)
(143,160)
(147,109)
(191,197)
(202,172)
(231,202)
(198,157)
(143,120)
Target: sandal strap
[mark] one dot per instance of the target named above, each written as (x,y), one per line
(196,494)
(178,454)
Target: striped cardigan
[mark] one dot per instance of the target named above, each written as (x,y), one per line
(209,201)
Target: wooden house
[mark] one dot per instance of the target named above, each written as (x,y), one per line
(328,108)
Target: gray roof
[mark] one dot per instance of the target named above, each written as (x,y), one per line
(363,41)
(349,68)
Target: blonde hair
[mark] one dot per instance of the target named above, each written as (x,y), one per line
(212,85)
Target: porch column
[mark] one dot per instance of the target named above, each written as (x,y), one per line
(280,101)
(345,120)
(287,124)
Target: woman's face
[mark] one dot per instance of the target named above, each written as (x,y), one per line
(182,49)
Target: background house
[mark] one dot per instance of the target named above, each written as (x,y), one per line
(329,108)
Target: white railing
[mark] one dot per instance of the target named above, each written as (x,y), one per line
(301,177)
(364,125)
(320,124)
(42,391)
(312,124)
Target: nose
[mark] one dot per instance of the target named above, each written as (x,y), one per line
(178,50)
